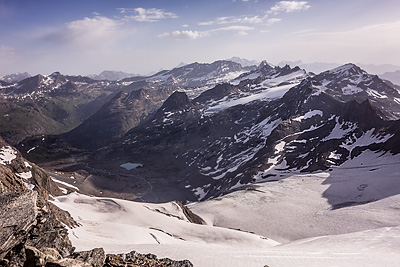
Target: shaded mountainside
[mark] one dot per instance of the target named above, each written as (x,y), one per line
(122,113)
(116,117)
(48,105)
(21,120)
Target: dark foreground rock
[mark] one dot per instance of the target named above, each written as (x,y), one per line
(47,257)
(27,220)
(133,259)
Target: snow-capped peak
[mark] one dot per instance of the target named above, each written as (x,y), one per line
(264,64)
(346,70)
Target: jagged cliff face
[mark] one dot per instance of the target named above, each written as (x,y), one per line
(27,218)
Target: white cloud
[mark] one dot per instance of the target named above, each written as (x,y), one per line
(185,35)
(147,15)
(272,21)
(288,6)
(96,31)
(185,25)
(233,28)
(233,20)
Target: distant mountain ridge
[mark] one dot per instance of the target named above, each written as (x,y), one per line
(16,77)
(394,76)
(112,75)
(318,67)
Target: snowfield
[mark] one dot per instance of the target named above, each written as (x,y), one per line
(265,94)
(345,217)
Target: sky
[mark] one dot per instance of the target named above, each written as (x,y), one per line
(141,36)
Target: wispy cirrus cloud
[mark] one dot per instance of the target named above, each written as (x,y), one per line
(192,35)
(288,6)
(233,20)
(184,35)
(279,7)
(6,52)
(146,15)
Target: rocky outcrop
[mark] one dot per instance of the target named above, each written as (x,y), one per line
(134,259)
(26,219)
(193,218)
(96,258)
(17,216)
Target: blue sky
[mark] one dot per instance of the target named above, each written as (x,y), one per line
(87,36)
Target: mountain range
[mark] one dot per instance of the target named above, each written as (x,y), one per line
(201,130)
(245,146)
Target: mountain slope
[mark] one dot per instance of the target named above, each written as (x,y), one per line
(349,82)
(116,117)
(48,104)
(17,121)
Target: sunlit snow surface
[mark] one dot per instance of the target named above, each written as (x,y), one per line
(313,215)
(265,94)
